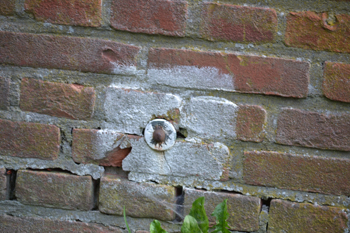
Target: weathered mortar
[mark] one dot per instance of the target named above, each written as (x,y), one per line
(140,77)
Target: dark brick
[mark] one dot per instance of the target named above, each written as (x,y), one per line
(316,130)
(100,147)
(243,210)
(7,7)
(238,23)
(54,189)
(310,30)
(68,53)
(150,16)
(250,123)
(141,200)
(10,224)
(4,93)
(285,216)
(336,81)
(57,99)
(297,172)
(76,13)
(29,140)
(249,74)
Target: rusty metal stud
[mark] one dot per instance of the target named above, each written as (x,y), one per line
(160,134)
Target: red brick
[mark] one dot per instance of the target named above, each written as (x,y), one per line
(316,130)
(150,16)
(10,224)
(238,23)
(57,99)
(297,172)
(141,200)
(336,81)
(250,74)
(100,147)
(3,184)
(76,13)
(29,140)
(7,7)
(310,30)
(4,93)
(250,123)
(243,210)
(285,216)
(68,53)
(54,189)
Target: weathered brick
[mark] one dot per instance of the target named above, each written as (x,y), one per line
(57,99)
(297,172)
(150,16)
(209,117)
(243,210)
(142,200)
(7,7)
(237,23)
(3,184)
(29,140)
(135,108)
(312,129)
(336,81)
(76,13)
(68,53)
(230,72)
(250,123)
(310,30)
(9,224)
(103,147)
(4,93)
(54,189)
(212,160)
(285,216)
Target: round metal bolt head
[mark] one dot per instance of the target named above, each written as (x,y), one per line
(160,134)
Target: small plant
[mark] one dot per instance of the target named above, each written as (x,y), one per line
(197,221)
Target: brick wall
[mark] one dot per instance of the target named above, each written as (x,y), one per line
(258,91)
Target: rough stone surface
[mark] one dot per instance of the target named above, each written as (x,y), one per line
(4,93)
(229,72)
(57,99)
(103,147)
(54,189)
(285,216)
(297,172)
(68,53)
(7,7)
(310,30)
(336,81)
(10,224)
(142,200)
(209,117)
(3,184)
(76,13)
(130,110)
(29,140)
(250,123)
(311,129)
(243,210)
(238,23)
(150,16)
(184,159)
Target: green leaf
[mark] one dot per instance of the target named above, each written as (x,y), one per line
(126,223)
(156,228)
(190,225)
(221,215)
(198,212)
